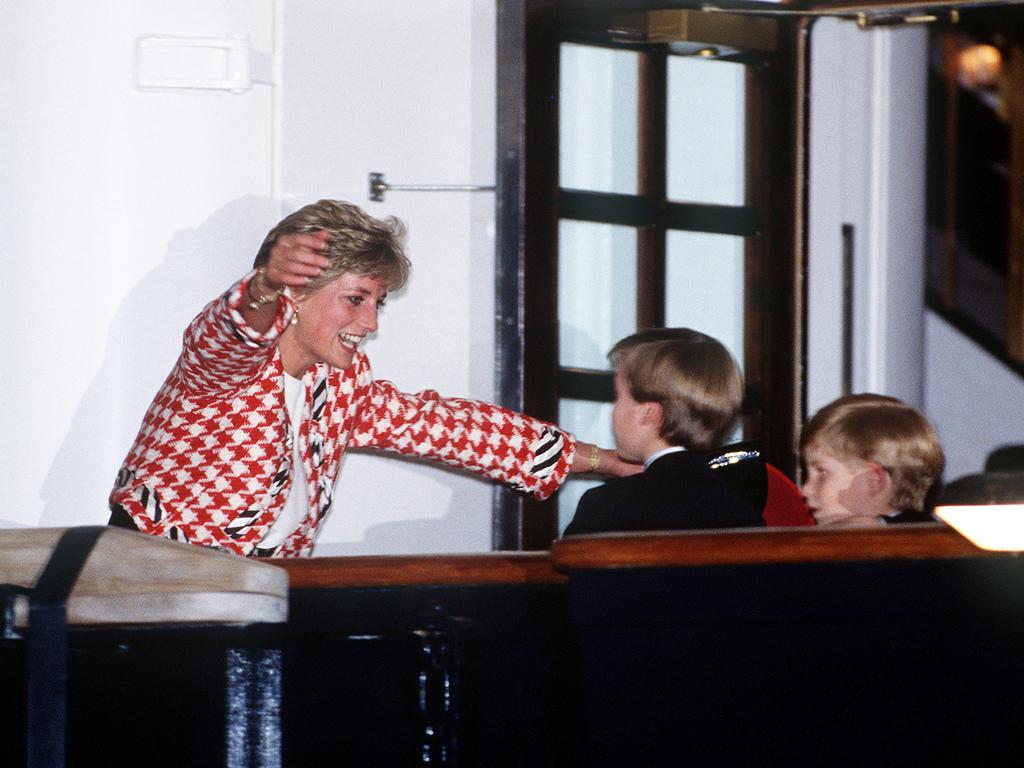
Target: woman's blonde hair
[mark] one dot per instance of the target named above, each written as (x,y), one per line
(692,376)
(357,242)
(886,431)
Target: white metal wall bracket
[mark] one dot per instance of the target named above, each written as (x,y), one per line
(164,62)
(378,186)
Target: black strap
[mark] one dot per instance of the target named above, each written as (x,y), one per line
(121,519)
(47,674)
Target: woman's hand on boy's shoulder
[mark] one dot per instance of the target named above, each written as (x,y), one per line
(590,459)
(611,464)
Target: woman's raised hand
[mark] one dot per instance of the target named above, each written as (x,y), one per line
(295,259)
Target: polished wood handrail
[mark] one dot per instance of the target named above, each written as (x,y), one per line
(417,570)
(643,550)
(778,545)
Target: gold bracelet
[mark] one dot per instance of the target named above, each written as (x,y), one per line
(595,457)
(264,298)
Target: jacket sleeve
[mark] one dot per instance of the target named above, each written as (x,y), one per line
(530,455)
(221,354)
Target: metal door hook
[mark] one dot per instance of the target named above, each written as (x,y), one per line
(378,186)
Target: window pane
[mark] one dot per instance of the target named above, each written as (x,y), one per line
(704,286)
(592,423)
(596,291)
(706,119)
(598,116)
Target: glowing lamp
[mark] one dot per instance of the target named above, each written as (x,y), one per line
(987,509)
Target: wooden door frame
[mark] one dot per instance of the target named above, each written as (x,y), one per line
(527,223)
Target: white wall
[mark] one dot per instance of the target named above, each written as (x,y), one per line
(406,89)
(973,399)
(125,211)
(867,168)
(121,210)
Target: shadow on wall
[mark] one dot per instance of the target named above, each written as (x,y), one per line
(142,345)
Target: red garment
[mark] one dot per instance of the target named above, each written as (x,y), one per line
(211,463)
(785,506)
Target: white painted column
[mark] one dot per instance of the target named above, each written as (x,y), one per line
(867,169)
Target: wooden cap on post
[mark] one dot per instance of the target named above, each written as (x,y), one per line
(131,578)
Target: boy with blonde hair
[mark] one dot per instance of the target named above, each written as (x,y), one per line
(869,460)
(677,396)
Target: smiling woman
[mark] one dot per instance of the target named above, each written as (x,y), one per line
(340,314)
(242,446)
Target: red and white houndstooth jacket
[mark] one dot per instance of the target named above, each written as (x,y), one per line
(211,464)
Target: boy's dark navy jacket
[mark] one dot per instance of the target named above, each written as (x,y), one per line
(678,491)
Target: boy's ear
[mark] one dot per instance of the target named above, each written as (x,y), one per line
(652,415)
(879,480)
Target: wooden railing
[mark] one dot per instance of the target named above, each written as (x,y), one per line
(781,545)
(790,545)
(416,570)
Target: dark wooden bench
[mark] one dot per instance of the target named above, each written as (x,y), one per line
(621,650)
(868,647)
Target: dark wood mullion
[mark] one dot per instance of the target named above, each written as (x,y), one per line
(1015,257)
(774,253)
(539,521)
(642,211)
(951,78)
(506,506)
(540,203)
(784,244)
(586,384)
(753,253)
(527,226)
(652,135)
(606,207)
(721,219)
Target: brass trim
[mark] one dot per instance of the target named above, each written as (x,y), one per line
(717,30)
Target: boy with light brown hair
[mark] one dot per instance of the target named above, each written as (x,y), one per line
(677,398)
(869,460)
